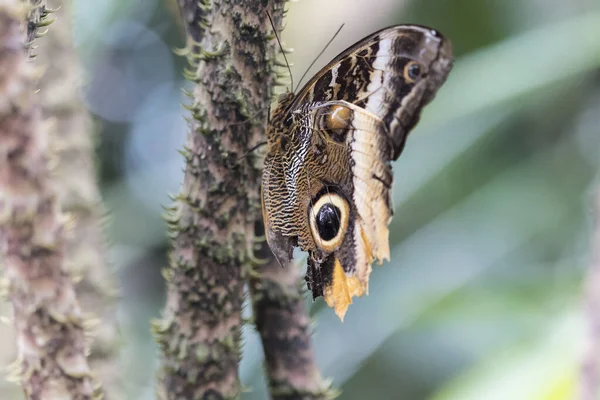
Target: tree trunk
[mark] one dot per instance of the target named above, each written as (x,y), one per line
(49,325)
(72,145)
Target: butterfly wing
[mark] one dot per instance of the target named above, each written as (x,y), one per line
(392,73)
(327,179)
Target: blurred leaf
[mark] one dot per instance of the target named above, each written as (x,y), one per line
(490,226)
(541,369)
(517,67)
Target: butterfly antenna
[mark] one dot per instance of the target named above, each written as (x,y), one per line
(282,51)
(320,54)
(251,150)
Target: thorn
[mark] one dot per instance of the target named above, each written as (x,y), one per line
(184,51)
(48,10)
(255,260)
(279,63)
(40,34)
(46,22)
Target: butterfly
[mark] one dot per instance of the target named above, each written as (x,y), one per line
(327,178)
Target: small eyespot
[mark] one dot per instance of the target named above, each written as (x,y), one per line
(328,221)
(337,120)
(338,117)
(435,33)
(412,71)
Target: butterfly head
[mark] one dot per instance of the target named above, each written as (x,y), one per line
(280,123)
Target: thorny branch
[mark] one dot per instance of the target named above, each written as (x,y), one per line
(212,222)
(282,321)
(72,145)
(48,322)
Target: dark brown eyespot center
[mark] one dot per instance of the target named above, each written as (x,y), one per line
(328,221)
(413,71)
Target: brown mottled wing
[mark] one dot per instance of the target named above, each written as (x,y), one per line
(330,148)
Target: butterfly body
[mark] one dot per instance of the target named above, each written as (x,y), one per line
(327,177)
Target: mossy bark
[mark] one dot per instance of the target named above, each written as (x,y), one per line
(232,51)
(284,326)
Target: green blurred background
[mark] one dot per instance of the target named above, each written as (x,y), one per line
(490,238)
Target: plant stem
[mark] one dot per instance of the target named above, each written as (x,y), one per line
(72,144)
(212,222)
(49,324)
(284,326)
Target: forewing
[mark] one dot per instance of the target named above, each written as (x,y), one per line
(374,74)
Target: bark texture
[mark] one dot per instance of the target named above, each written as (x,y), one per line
(284,326)
(589,382)
(48,322)
(72,151)
(232,52)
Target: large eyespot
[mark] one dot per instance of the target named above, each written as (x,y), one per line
(412,71)
(329,220)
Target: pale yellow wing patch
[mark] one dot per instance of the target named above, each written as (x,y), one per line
(338,295)
(371,195)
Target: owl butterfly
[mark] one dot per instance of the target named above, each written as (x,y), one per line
(327,178)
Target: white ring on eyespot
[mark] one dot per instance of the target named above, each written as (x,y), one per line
(342,205)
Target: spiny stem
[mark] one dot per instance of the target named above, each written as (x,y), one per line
(49,324)
(284,326)
(212,222)
(72,145)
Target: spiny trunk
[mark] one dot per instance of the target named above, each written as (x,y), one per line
(212,222)
(48,322)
